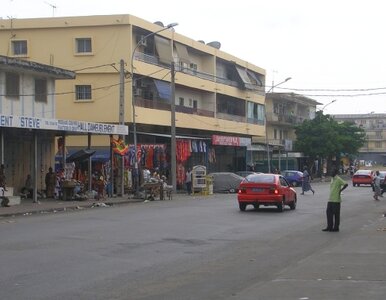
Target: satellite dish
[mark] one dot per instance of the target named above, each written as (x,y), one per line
(215,44)
(201,41)
(159,23)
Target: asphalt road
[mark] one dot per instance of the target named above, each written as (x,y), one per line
(198,248)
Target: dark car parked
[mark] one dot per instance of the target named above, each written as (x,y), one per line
(225,182)
(245,173)
(293,177)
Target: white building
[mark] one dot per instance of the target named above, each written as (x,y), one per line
(27,120)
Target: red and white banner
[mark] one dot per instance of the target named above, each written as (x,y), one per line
(236,141)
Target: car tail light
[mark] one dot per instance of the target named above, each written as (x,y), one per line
(274,191)
(242,190)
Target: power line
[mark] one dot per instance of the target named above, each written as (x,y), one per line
(95,67)
(334,90)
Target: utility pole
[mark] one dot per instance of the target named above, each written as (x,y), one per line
(265,119)
(121,192)
(173,128)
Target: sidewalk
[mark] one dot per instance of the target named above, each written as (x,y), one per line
(27,207)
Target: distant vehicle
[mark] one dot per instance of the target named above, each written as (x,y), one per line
(246,173)
(294,177)
(363,177)
(267,190)
(225,182)
(368,164)
(382,174)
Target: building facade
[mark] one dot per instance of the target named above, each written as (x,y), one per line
(284,111)
(28,124)
(218,98)
(374,125)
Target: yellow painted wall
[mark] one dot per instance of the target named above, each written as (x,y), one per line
(112,40)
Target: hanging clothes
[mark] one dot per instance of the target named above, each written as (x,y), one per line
(180,174)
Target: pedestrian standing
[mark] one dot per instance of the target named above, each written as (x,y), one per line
(337,185)
(306,183)
(50,181)
(377,186)
(27,190)
(2,178)
(188,181)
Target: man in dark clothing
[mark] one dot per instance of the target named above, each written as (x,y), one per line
(50,181)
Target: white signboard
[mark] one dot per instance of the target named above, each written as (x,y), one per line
(61,125)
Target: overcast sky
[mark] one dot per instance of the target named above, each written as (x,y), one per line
(332,49)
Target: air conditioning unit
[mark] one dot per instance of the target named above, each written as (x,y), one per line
(137,92)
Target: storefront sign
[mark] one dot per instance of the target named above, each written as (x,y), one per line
(236,141)
(62,125)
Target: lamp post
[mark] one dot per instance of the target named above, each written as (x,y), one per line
(173,142)
(328,104)
(141,41)
(266,129)
(322,109)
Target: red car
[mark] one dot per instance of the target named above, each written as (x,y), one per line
(267,190)
(363,177)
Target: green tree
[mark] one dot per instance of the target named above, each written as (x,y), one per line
(323,137)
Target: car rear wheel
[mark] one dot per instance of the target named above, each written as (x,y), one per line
(280,207)
(293,204)
(242,206)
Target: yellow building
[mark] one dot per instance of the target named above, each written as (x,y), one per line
(374,125)
(284,111)
(219,98)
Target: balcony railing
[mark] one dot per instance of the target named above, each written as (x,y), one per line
(194,111)
(162,105)
(229,117)
(150,59)
(288,119)
(153,104)
(255,121)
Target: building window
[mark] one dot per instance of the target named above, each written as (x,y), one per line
(378,145)
(19,48)
(83,45)
(195,104)
(40,90)
(193,67)
(255,113)
(181,101)
(83,92)
(12,85)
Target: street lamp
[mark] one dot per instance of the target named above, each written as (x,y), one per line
(322,109)
(266,130)
(328,104)
(141,41)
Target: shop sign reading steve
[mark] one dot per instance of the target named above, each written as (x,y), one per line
(63,125)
